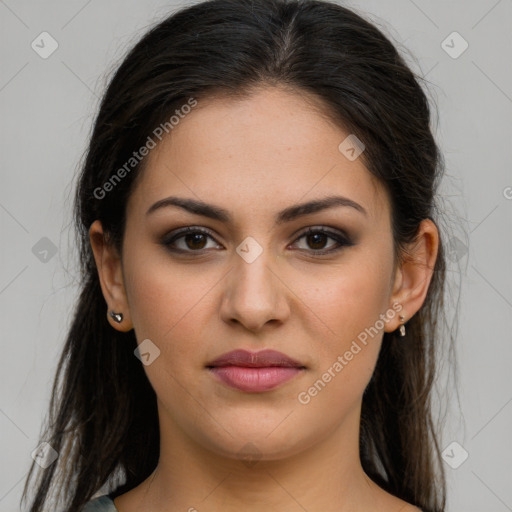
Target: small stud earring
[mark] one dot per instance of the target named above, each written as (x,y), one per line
(118,317)
(402,327)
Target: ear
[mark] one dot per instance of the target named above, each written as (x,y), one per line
(413,276)
(108,263)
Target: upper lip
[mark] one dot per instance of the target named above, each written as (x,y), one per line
(261,359)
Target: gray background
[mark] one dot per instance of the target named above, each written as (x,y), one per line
(48,105)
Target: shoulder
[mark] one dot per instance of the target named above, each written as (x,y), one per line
(100,504)
(410,508)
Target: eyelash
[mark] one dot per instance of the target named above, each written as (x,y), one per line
(341,239)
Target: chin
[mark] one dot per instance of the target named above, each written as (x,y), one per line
(270,440)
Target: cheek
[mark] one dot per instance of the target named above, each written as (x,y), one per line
(168,304)
(350,305)
(347,300)
(170,307)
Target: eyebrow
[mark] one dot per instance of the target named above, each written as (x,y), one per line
(287,215)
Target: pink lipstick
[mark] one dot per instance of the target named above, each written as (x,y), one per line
(254,372)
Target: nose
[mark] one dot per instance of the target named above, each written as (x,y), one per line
(254,294)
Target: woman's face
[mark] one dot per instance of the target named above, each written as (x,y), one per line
(254,279)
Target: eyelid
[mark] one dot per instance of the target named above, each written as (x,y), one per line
(338,232)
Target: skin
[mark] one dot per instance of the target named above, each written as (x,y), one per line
(255,157)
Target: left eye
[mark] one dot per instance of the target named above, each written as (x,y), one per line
(318,237)
(195,240)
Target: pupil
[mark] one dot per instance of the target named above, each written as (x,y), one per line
(321,237)
(195,238)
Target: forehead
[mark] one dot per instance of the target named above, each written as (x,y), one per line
(272,148)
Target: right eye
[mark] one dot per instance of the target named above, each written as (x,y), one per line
(192,240)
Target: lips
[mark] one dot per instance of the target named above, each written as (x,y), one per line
(254,372)
(262,359)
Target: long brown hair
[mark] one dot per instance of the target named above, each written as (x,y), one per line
(103,417)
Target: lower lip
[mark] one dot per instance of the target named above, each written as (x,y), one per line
(254,380)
